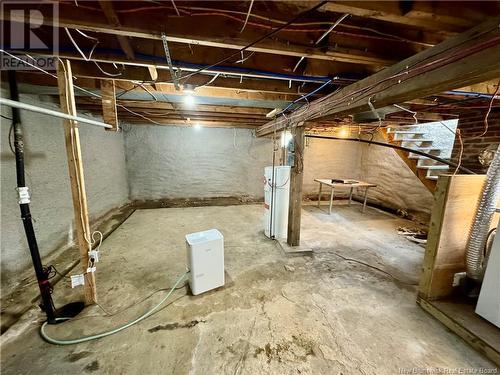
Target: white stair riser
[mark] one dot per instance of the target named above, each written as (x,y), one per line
(397,132)
(441,167)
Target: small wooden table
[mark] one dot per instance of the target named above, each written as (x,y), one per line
(338,185)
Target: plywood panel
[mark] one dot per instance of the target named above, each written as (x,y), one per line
(455,202)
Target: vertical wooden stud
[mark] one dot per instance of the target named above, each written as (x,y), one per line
(74,156)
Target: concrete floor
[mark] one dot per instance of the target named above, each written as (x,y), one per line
(302,315)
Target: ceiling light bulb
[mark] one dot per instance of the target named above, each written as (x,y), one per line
(189,100)
(343,133)
(197,126)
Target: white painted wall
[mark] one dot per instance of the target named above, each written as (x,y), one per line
(47,177)
(329,159)
(397,186)
(180,162)
(184,162)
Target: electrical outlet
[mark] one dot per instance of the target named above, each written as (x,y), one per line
(94,254)
(77,280)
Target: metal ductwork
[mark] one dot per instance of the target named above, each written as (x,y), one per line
(490,193)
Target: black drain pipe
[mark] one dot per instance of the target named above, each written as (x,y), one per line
(41,273)
(433,157)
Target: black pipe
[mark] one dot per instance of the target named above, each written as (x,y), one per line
(433,157)
(41,273)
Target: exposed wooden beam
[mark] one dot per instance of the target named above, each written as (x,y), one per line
(226,93)
(142,104)
(178,122)
(109,12)
(109,112)
(420,15)
(468,58)
(296,182)
(77,180)
(183,114)
(266,99)
(487,87)
(267,46)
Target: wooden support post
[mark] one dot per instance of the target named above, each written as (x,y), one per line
(296,180)
(109,111)
(73,151)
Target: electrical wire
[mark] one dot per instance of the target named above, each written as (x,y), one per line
(175,7)
(91,51)
(304,97)
(106,73)
(486,125)
(147,314)
(81,88)
(227,13)
(243,58)
(371,266)
(210,81)
(319,5)
(461,152)
(78,48)
(248,15)
(409,111)
(390,145)
(458,131)
(417,68)
(335,24)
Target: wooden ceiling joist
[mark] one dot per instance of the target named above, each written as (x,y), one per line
(421,14)
(466,59)
(109,12)
(184,122)
(276,47)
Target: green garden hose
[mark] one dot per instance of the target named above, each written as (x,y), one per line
(113,331)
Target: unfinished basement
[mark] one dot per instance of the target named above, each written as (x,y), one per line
(250,187)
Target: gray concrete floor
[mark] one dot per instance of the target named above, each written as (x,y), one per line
(302,315)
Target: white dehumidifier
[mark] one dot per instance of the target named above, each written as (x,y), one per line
(205,258)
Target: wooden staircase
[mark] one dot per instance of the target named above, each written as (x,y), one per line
(411,136)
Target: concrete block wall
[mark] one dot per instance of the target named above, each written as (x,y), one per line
(47,177)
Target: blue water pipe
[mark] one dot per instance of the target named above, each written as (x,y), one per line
(221,69)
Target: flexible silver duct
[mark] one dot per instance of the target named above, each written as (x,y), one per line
(482,220)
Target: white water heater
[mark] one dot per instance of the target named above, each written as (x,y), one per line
(205,258)
(276,200)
